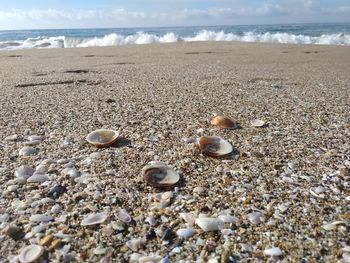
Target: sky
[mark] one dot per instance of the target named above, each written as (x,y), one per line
(48,14)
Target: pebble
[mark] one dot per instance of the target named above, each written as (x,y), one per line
(71,172)
(11,138)
(185,232)
(56,209)
(24,172)
(27,150)
(255,218)
(38,178)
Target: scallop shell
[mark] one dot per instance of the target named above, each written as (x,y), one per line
(223,122)
(210,224)
(214,146)
(102,137)
(31,253)
(257,123)
(159,174)
(94,219)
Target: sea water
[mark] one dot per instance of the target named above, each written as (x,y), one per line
(322,34)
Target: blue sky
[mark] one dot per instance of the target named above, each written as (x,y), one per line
(30,14)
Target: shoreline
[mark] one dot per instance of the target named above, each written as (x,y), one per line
(284,186)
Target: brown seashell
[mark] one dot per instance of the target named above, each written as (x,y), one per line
(214,146)
(103,137)
(223,122)
(158,174)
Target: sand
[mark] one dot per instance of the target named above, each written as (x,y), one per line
(293,173)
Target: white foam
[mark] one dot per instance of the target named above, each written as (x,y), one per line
(145,38)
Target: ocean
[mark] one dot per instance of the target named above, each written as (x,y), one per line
(322,34)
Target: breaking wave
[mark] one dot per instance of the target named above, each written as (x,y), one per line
(145,38)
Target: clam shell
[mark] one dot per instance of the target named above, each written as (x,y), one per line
(124,216)
(257,123)
(223,122)
(158,174)
(274,252)
(255,217)
(94,219)
(31,253)
(209,224)
(185,232)
(102,137)
(214,146)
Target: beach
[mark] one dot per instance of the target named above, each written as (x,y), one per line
(282,194)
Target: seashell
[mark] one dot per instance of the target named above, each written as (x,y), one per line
(273,252)
(185,232)
(134,258)
(94,219)
(228,219)
(226,232)
(38,178)
(332,226)
(35,138)
(223,122)
(24,171)
(102,137)
(134,244)
(40,218)
(151,220)
(189,218)
(56,209)
(71,172)
(124,216)
(150,259)
(257,123)
(255,217)
(30,253)
(158,174)
(214,146)
(11,138)
(27,150)
(209,224)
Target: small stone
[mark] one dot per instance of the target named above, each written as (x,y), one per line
(24,172)
(40,218)
(168,234)
(38,178)
(27,150)
(11,138)
(57,191)
(15,232)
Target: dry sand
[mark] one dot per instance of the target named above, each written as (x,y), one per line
(293,174)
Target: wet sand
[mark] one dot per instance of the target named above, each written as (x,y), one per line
(285,186)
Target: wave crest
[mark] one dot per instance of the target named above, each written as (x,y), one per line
(146,38)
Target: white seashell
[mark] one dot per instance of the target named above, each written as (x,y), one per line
(189,218)
(38,178)
(71,172)
(209,224)
(332,226)
(39,229)
(42,169)
(134,244)
(24,172)
(134,258)
(226,232)
(166,196)
(151,220)
(228,219)
(257,123)
(214,146)
(273,252)
(150,259)
(11,138)
(103,137)
(319,190)
(26,151)
(198,190)
(12,188)
(124,216)
(185,232)
(94,219)
(31,253)
(255,218)
(40,218)
(35,138)
(158,174)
